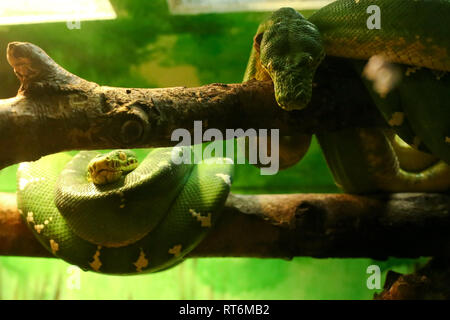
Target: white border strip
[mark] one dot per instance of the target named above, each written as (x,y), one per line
(222,6)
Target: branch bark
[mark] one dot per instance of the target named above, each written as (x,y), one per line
(291,225)
(427,283)
(55,110)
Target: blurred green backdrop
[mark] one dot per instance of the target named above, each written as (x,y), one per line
(148,47)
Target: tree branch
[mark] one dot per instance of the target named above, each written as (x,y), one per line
(286,226)
(61,111)
(427,283)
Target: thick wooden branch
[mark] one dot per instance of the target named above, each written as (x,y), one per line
(55,110)
(286,226)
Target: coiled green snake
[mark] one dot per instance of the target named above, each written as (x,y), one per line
(109,214)
(119,218)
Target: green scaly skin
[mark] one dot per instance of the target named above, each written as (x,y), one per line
(288,48)
(285,72)
(146,220)
(104,169)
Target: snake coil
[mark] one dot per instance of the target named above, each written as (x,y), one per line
(413,39)
(146,221)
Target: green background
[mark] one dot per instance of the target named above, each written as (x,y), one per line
(147,47)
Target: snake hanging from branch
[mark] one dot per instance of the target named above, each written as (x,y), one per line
(413,40)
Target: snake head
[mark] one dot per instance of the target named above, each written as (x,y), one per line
(290,50)
(108,168)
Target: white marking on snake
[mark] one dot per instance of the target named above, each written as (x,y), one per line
(227,161)
(24,182)
(163,164)
(204,221)
(397,119)
(141,262)
(96,263)
(54,245)
(24,166)
(30,218)
(68,171)
(225,177)
(175,250)
(39,227)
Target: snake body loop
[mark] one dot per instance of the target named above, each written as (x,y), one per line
(146,221)
(414,34)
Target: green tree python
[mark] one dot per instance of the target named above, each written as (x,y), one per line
(109,214)
(413,37)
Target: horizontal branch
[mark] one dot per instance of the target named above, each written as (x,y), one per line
(291,225)
(61,111)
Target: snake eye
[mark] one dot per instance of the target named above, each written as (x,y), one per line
(122,156)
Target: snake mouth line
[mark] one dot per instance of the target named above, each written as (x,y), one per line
(105,176)
(101,171)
